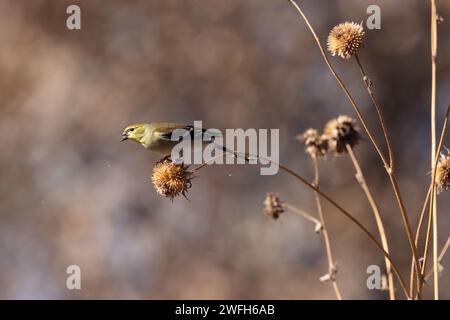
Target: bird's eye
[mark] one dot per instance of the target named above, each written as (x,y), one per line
(131,130)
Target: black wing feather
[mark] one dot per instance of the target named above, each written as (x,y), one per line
(192,131)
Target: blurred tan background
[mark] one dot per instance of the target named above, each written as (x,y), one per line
(71,193)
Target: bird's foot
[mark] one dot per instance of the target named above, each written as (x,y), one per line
(165,159)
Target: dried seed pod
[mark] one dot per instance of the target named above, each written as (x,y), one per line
(443,173)
(315,145)
(170,179)
(273,206)
(345,39)
(341,131)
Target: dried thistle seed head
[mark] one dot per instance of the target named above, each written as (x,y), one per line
(341,131)
(315,144)
(273,206)
(345,39)
(170,179)
(443,173)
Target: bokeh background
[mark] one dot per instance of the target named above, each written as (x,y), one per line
(71,193)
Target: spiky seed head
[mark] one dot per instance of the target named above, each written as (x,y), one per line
(273,206)
(315,144)
(345,39)
(170,179)
(443,173)
(341,131)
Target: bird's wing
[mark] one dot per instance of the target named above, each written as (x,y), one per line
(165,132)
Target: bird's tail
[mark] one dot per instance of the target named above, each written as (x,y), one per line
(210,136)
(236,154)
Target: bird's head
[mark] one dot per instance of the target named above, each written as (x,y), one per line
(135,132)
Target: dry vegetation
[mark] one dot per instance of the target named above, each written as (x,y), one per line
(339,137)
(357,185)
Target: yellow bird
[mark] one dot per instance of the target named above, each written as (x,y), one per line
(157,136)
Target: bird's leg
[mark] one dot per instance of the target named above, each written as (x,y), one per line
(166,158)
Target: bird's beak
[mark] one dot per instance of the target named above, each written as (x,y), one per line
(124,137)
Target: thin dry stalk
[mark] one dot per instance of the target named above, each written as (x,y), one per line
(419,227)
(390,170)
(441,256)
(444,249)
(368,84)
(390,173)
(326,238)
(303,214)
(376,212)
(430,216)
(433,44)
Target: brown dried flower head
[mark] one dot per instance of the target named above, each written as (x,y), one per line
(345,39)
(443,173)
(273,206)
(340,132)
(315,144)
(170,179)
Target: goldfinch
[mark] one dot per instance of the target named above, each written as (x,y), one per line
(157,136)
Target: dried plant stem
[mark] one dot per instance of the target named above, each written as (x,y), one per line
(206,163)
(390,173)
(211,160)
(376,212)
(434,19)
(390,170)
(430,215)
(368,84)
(302,213)
(441,256)
(326,238)
(406,223)
(419,227)
(444,249)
